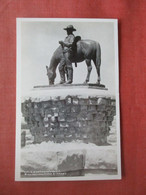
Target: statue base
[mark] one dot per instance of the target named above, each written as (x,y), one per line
(66,113)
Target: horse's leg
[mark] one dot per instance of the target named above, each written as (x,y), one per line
(89,68)
(97,63)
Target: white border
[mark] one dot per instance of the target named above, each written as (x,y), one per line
(117,98)
(18,103)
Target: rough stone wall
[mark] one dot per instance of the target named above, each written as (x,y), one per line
(72,118)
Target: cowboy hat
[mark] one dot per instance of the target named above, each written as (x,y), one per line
(70,27)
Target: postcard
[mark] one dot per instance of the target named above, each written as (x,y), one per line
(67,107)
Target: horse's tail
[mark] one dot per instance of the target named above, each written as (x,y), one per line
(97,61)
(98,55)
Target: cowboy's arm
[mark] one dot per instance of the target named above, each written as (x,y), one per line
(68,42)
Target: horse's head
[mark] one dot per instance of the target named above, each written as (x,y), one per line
(51,70)
(51,76)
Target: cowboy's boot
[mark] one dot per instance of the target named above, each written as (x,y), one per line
(70,76)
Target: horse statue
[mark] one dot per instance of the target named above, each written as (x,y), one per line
(85,50)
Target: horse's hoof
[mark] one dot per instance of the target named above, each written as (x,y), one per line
(85,82)
(98,83)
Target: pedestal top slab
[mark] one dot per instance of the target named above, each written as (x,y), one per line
(47,92)
(89,85)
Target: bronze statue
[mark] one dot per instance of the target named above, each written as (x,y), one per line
(76,51)
(67,47)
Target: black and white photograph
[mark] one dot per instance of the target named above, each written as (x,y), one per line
(67,115)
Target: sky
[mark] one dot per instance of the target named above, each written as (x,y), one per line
(38,39)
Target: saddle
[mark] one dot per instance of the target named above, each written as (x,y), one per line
(74,47)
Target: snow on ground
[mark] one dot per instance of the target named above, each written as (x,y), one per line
(112,138)
(45,156)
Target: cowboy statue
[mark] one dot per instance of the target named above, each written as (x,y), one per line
(74,50)
(66,61)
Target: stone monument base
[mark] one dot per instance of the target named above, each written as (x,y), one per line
(69,113)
